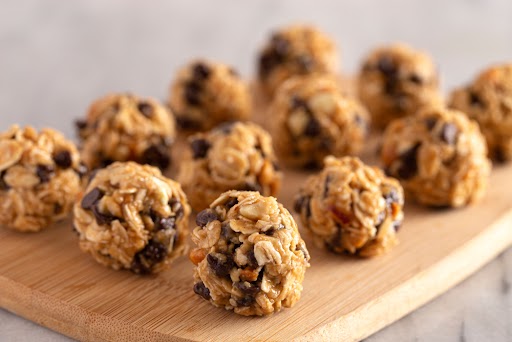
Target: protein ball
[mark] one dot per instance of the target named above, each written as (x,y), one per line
(205,94)
(349,207)
(488,100)
(124,127)
(439,156)
(295,50)
(132,217)
(233,156)
(250,257)
(396,81)
(40,178)
(313,119)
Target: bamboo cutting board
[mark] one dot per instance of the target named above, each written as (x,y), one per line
(45,278)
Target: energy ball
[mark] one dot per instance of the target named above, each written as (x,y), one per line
(439,156)
(205,94)
(233,156)
(250,257)
(40,178)
(350,207)
(396,81)
(132,217)
(124,127)
(488,100)
(295,50)
(314,119)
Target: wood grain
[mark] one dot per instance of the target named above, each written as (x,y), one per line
(45,278)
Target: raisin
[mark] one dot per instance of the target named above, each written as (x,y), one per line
(146,109)
(202,290)
(44,172)
(220,268)
(408,163)
(63,159)
(206,216)
(246,301)
(449,133)
(156,155)
(248,288)
(252,261)
(200,148)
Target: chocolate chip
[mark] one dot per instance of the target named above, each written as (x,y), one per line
(416,79)
(250,187)
(57,208)
(302,203)
(3,185)
(201,71)
(498,154)
(231,202)
(102,218)
(225,127)
(166,223)
(305,63)
(227,232)
(63,159)
(202,290)
(144,260)
(270,231)
(449,133)
(396,225)
(392,197)
(430,122)
(91,198)
(192,93)
(280,45)
(335,243)
(312,165)
(246,301)
(475,100)
(44,172)
(313,128)
(200,148)
(408,163)
(252,261)
(156,155)
(247,288)
(146,109)
(104,162)
(73,228)
(298,103)
(220,268)
(81,124)
(267,62)
(206,216)
(387,66)
(187,123)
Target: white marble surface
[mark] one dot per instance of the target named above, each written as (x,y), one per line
(56,56)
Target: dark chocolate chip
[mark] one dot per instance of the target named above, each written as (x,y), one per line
(57,208)
(227,232)
(430,122)
(250,187)
(313,128)
(220,268)
(231,202)
(156,155)
(475,100)
(267,62)
(335,243)
(91,198)
(146,109)
(206,216)
(246,301)
(408,163)
(166,223)
(81,124)
(3,185)
(144,260)
(499,155)
(202,290)
(387,66)
(298,103)
(302,203)
(281,45)
(312,165)
(192,93)
(187,123)
(416,79)
(106,162)
(201,71)
(44,172)
(251,258)
(200,148)
(305,63)
(449,133)
(63,159)
(102,218)
(247,288)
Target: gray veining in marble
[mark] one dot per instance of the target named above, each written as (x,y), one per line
(57,56)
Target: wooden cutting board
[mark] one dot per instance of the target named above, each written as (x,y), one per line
(44,277)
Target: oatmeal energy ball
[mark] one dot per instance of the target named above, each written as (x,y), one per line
(132,217)
(439,156)
(235,156)
(40,178)
(350,207)
(488,100)
(124,127)
(295,50)
(395,81)
(312,119)
(250,257)
(205,94)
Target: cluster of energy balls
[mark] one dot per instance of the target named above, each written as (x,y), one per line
(249,256)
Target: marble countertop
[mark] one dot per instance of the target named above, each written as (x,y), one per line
(57,56)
